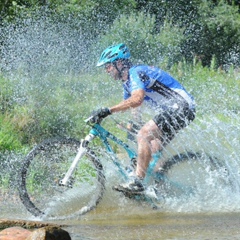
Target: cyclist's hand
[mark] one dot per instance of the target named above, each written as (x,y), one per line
(97,116)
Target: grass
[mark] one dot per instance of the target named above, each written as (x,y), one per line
(54,106)
(58,105)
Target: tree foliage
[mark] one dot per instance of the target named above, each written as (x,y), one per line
(211,28)
(147,45)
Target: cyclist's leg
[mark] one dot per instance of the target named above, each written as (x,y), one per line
(145,135)
(149,141)
(155,134)
(171,122)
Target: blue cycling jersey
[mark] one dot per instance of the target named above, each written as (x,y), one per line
(161,90)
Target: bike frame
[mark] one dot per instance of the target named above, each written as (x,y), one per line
(98,131)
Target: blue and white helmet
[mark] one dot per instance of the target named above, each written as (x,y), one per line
(114,53)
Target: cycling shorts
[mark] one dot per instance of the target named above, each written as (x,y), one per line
(173,120)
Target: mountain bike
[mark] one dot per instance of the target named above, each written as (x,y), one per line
(64,177)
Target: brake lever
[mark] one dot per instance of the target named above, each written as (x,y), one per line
(88,119)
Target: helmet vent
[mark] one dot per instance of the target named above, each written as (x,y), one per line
(122,46)
(107,55)
(114,55)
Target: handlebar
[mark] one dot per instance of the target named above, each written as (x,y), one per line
(88,120)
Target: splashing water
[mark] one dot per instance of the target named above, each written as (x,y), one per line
(38,51)
(219,140)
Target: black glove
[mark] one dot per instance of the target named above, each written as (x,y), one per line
(97,116)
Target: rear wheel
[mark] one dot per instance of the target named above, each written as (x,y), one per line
(193,173)
(45,166)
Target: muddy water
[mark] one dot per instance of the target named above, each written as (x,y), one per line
(157,225)
(125,219)
(119,218)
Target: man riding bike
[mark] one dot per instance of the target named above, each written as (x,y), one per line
(174,107)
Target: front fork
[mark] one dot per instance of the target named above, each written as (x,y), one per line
(67,180)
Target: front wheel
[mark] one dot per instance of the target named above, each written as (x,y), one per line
(45,166)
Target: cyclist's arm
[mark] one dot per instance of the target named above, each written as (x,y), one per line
(134,101)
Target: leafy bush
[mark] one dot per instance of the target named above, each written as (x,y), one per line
(57,106)
(137,31)
(216,33)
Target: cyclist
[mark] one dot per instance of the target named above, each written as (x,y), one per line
(174,107)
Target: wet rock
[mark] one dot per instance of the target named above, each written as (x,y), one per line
(15,233)
(20,230)
(49,233)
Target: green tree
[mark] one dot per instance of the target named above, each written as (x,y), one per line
(138,32)
(217,34)
(211,28)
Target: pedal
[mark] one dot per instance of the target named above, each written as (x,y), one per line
(127,193)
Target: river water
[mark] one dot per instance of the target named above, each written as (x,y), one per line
(157,225)
(213,215)
(125,219)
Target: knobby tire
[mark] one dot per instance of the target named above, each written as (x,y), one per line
(42,169)
(189,173)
